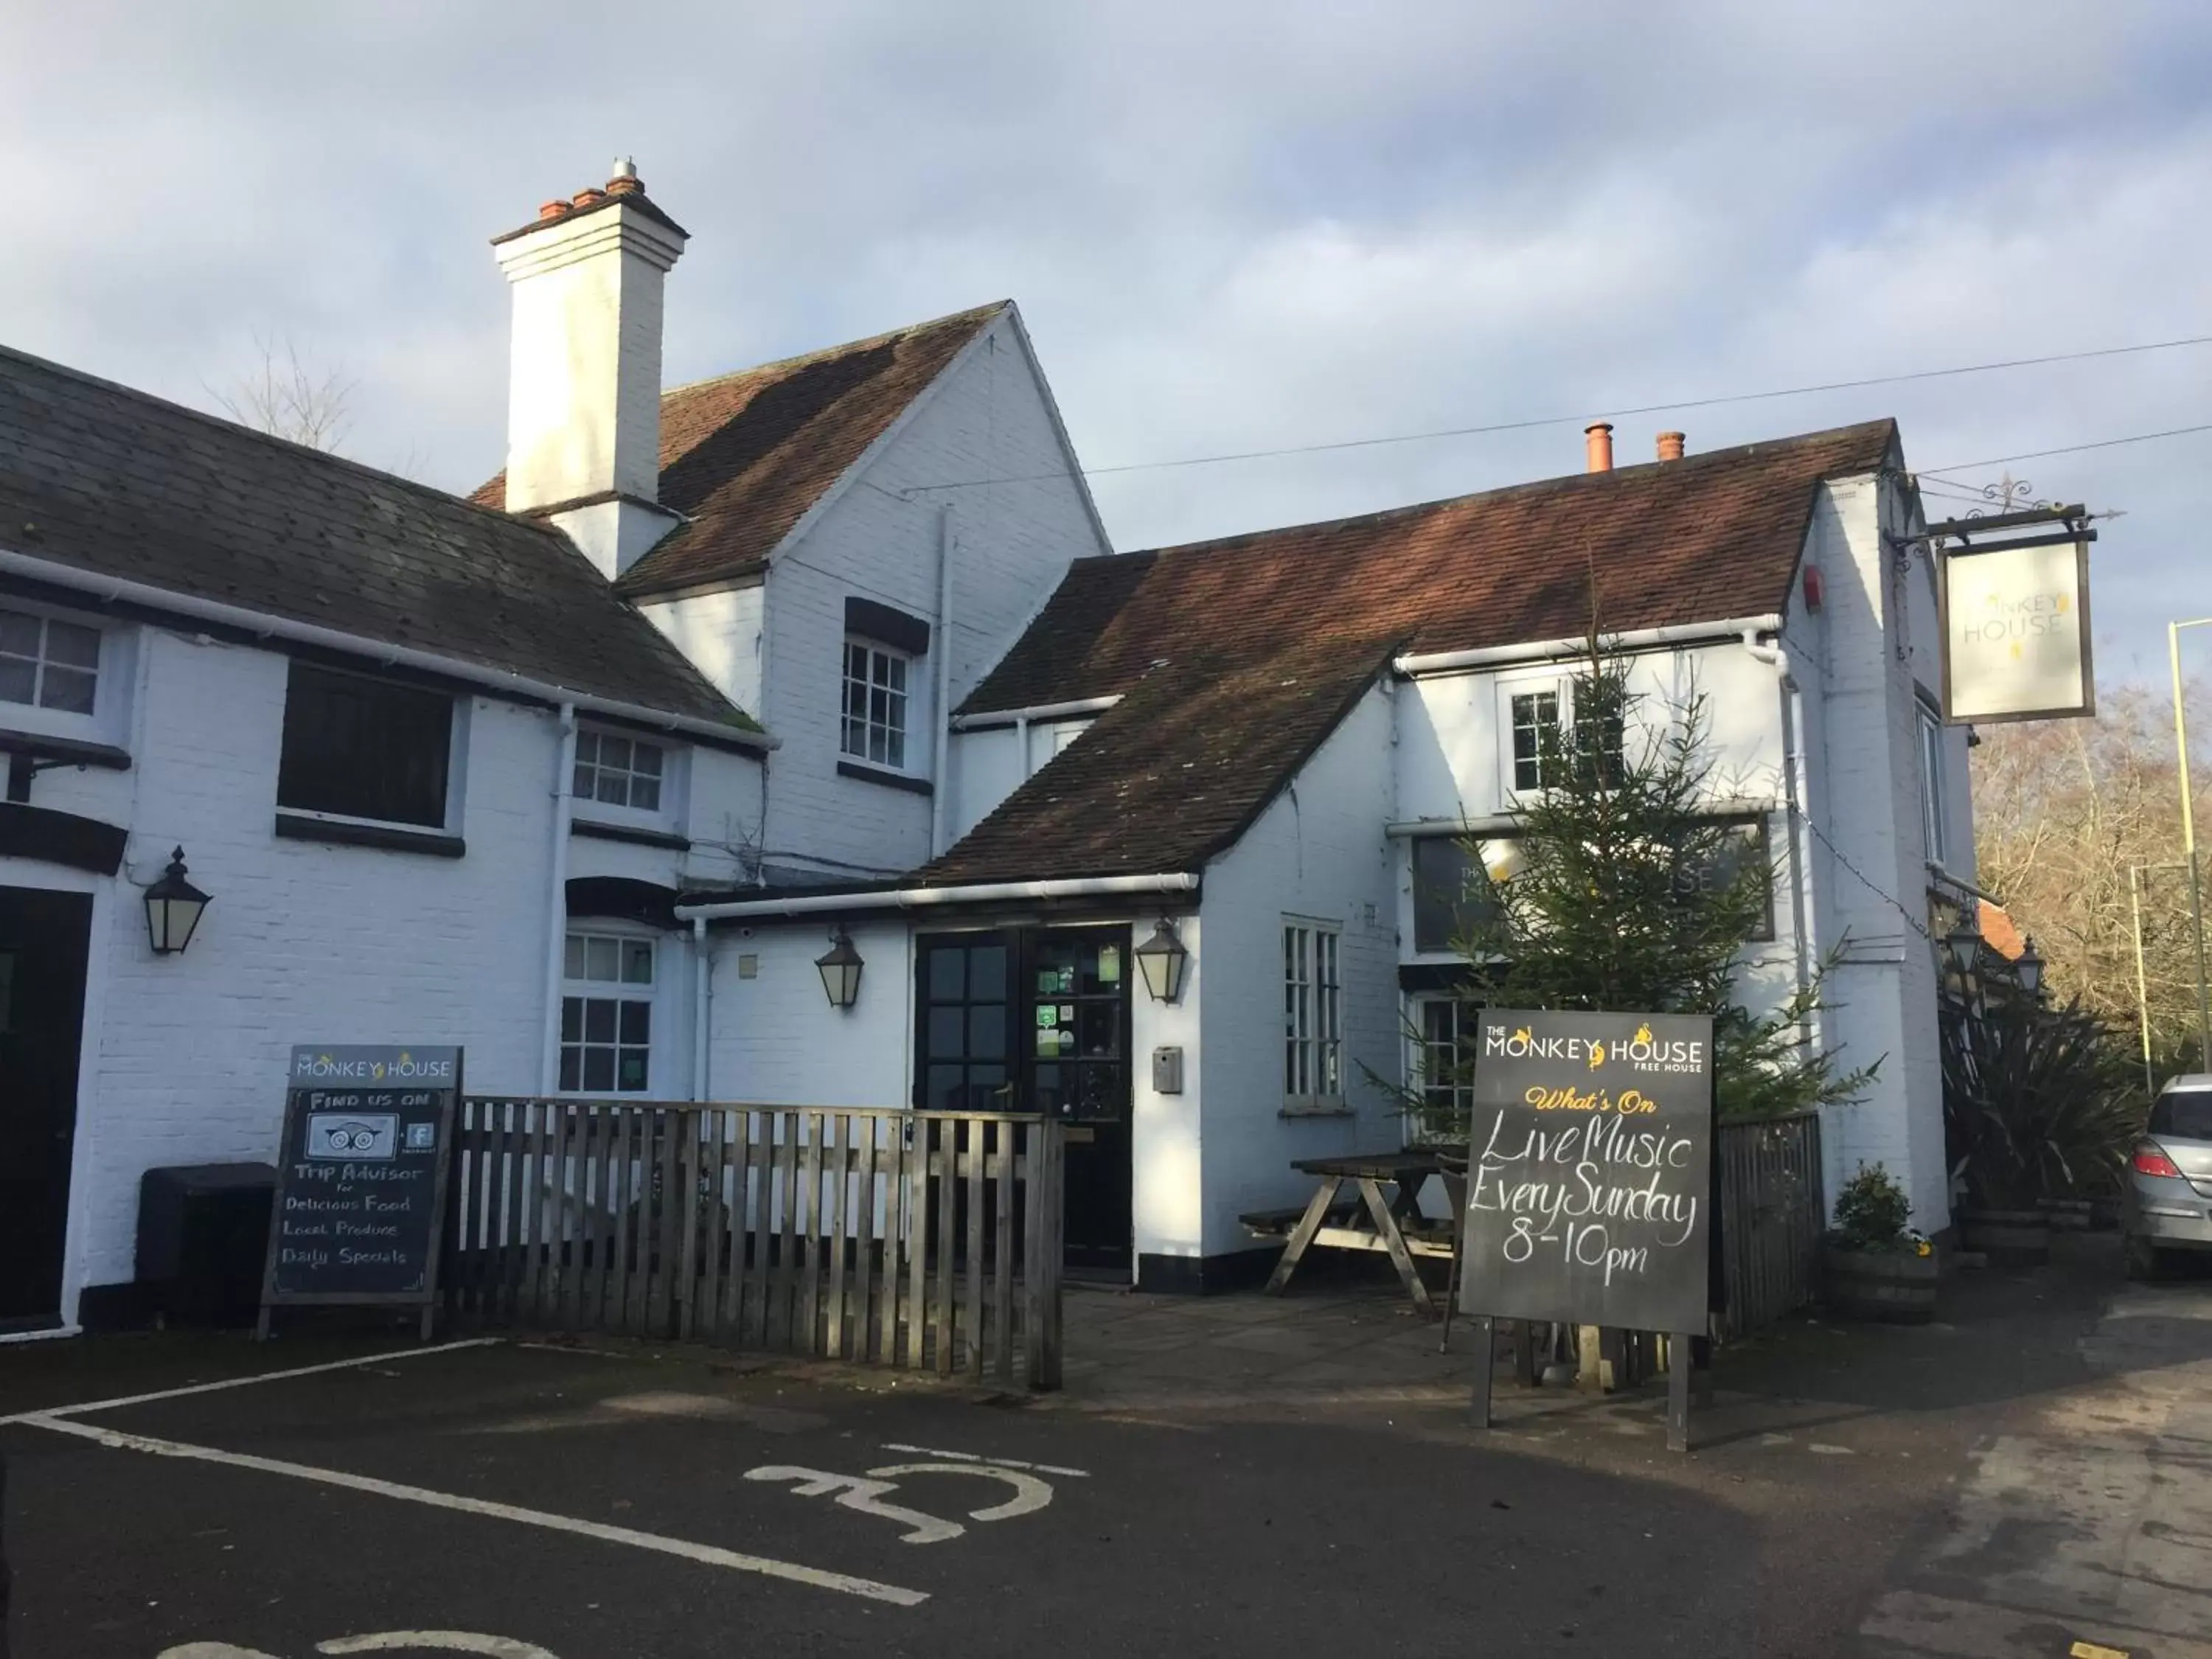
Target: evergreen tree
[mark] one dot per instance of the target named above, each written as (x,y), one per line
(1614,903)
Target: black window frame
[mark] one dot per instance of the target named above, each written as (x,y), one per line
(345,754)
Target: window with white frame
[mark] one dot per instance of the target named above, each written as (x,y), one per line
(1931,784)
(875,719)
(48,663)
(619,771)
(606,1014)
(1443,1026)
(1313,1015)
(1533,718)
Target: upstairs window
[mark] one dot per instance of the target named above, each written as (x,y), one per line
(358,747)
(48,664)
(1931,786)
(606,1015)
(875,722)
(619,771)
(1536,730)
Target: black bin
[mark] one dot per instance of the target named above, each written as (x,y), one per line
(202,1238)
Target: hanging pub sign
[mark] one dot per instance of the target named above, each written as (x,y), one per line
(360,1181)
(1589,1177)
(2016,630)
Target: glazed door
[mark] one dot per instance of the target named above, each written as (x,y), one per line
(1076,992)
(45,940)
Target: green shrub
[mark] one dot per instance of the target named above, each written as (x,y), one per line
(1871,1212)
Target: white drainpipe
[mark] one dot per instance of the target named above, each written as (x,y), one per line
(941,713)
(1794,787)
(557,904)
(1636,639)
(912,898)
(703,1012)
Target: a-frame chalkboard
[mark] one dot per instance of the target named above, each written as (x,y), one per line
(360,1179)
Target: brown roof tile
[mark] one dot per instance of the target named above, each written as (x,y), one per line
(744,456)
(108,479)
(1696,540)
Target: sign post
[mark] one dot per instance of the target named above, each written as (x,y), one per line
(360,1183)
(1589,1181)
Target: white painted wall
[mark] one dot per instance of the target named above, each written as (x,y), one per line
(305,942)
(1317,851)
(989,417)
(721,632)
(987,765)
(777,1041)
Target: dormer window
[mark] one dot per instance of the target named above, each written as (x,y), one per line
(48,663)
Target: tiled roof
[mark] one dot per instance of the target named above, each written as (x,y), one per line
(1173,773)
(1234,658)
(109,480)
(744,456)
(1712,536)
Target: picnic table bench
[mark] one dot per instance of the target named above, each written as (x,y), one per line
(1367,1221)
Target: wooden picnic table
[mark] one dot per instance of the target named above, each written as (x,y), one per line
(1392,1225)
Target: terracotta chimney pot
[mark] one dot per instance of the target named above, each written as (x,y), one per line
(1598,437)
(588,196)
(552,209)
(1670,445)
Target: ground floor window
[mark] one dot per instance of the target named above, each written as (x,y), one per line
(1313,1016)
(1442,1027)
(606,1015)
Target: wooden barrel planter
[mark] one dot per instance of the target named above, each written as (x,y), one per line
(2009,1238)
(1893,1286)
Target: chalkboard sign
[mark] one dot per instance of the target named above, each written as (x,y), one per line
(1589,1169)
(360,1181)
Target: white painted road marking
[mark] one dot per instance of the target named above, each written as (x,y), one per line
(855,1492)
(121,1400)
(440,1641)
(995,1462)
(861,1493)
(708,1554)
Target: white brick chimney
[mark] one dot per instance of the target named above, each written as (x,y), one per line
(583,411)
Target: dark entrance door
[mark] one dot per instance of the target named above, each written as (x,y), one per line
(1038,1019)
(44,941)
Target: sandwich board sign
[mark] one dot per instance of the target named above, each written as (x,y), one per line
(1590,1178)
(361,1178)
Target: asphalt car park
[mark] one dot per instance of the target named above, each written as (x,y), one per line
(520,1501)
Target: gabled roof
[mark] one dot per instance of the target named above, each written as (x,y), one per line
(114,482)
(1234,658)
(1714,536)
(1172,775)
(746,456)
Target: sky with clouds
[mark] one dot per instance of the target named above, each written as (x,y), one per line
(1229,226)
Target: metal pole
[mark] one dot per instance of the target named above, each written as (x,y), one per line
(2189,842)
(2142,993)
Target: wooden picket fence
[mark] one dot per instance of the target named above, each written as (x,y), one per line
(925,1240)
(1771,1214)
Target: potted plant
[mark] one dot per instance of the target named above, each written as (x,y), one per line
(1874,1265)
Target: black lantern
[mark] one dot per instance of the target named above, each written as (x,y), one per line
(2028,968)
(841,968)
(1962,947)
(173,909)
(1163,961)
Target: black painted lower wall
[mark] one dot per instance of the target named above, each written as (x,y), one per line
(1206,1275)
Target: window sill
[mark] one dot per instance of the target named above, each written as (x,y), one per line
(1320,1109)
(635,834)
(913,786)
(392,838)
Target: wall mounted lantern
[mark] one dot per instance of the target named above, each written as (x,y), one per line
(173,909)
(1962,948)
(2028,968)
(841,966)
(1163,961)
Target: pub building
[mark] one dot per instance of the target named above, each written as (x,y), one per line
(737,741)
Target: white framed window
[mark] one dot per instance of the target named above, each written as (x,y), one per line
(615,770)
(1441,1029)
(1313,1015)
(606,1014)
(48,663)
(1931,785)
(1535,712)
(874,727)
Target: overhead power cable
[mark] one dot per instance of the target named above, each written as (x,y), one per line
(2068,449)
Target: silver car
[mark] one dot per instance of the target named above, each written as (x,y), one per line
(2168,1206)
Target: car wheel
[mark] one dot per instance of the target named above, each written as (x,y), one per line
(2144,1261)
